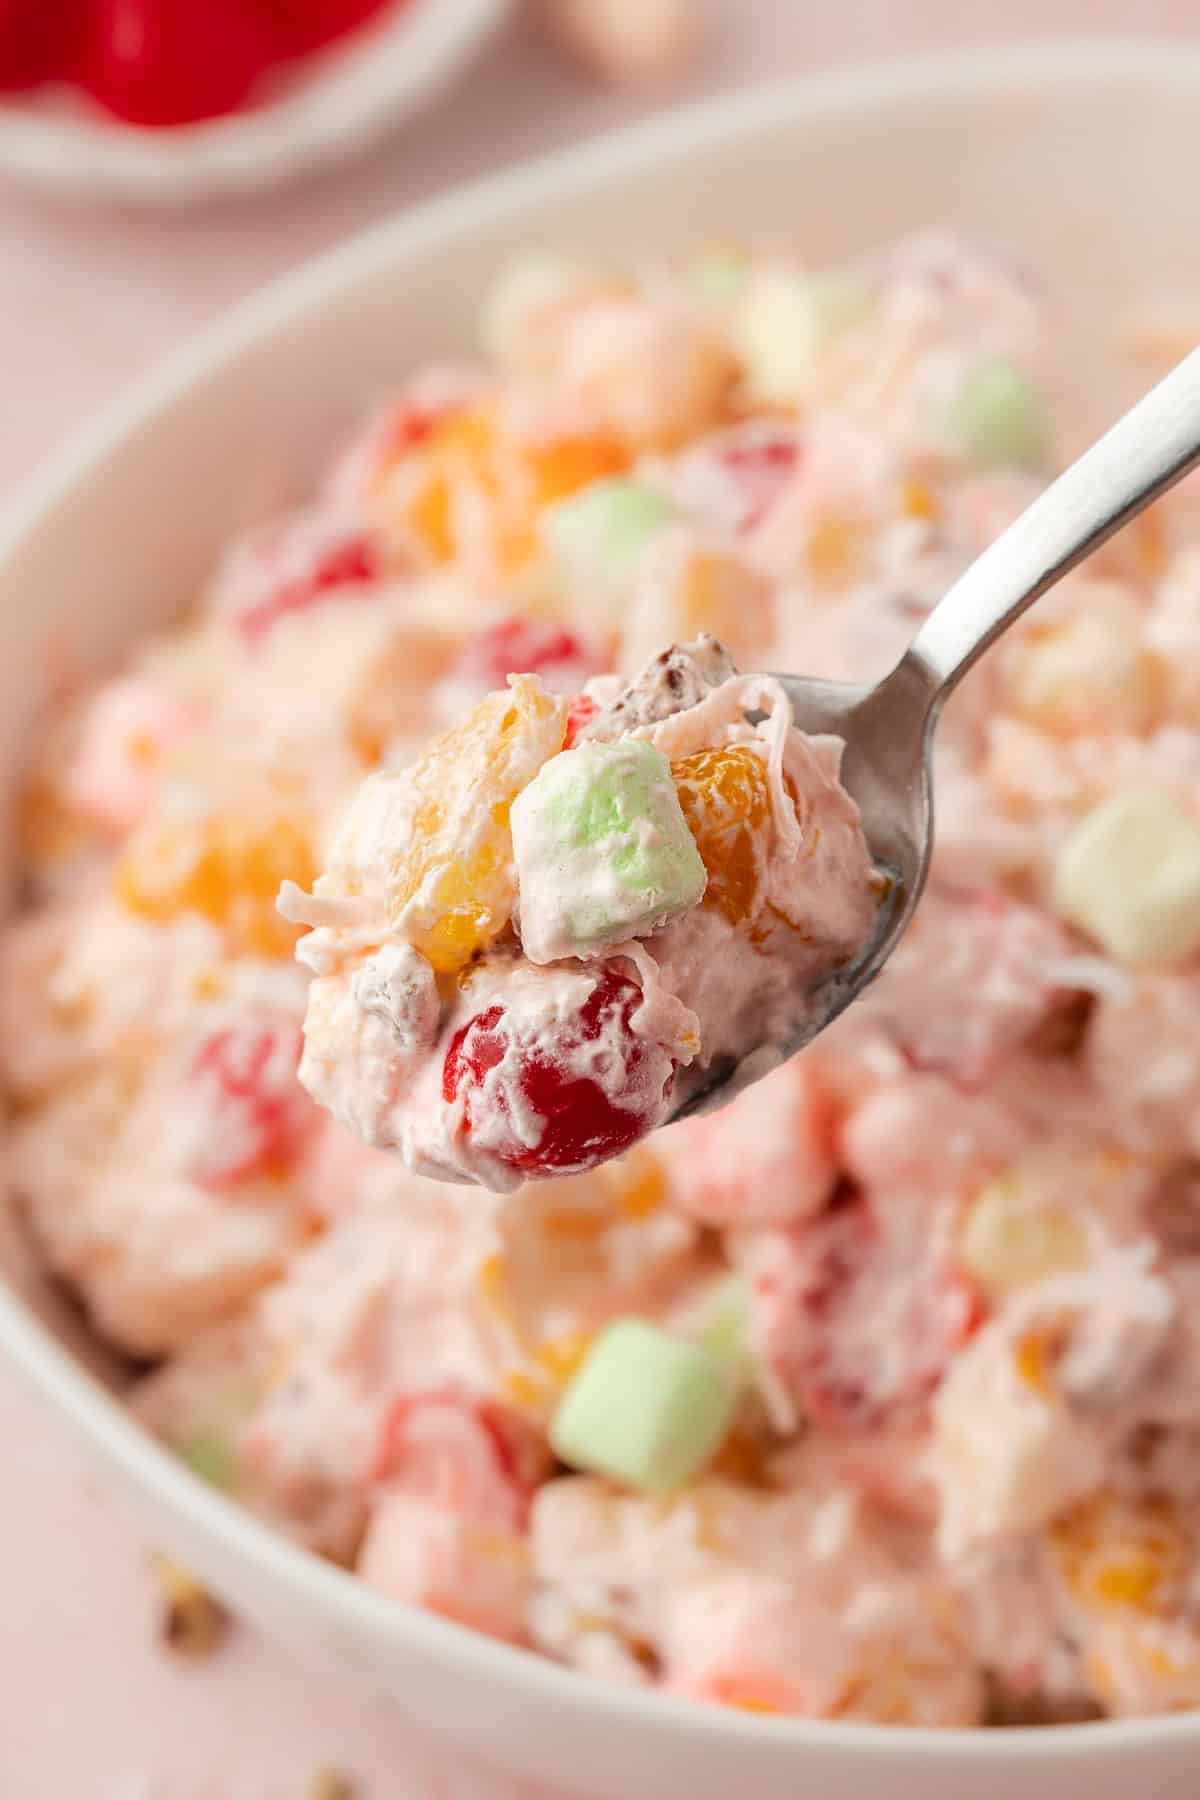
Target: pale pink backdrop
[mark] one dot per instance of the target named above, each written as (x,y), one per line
(92,1709)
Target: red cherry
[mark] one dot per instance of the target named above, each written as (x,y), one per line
(582,1124)
(249,1111)
(464,1453)
(296,568)
(524,647)
(156,63)
(816,1309)
(307,25)
(407,427)
(762,468)
(39,40)
(581,710)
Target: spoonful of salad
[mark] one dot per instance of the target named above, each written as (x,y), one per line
(571,921)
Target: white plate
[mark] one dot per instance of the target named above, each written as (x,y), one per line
(1080,158)
(324,109)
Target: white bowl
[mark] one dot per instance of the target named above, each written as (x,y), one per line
(1078,157)
(318,112)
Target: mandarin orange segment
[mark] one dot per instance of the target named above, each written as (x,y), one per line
(561,1357)
(452,886)
(642,1186)
(726,802)
(543,477)
(1133,1580)
(702,591)
(459,452)
(831,557)
(526,1392)
(918,500)
(1032,1358)
(429,515)
(510,480)
(1122,1558)
(227,869)
(560,469)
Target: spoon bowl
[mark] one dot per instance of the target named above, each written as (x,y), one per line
(886,769)
(887,731)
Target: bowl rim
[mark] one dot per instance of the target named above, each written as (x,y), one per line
(109,1430)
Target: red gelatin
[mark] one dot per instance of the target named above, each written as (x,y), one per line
(347,561)
(408,427)
(159,64)
(581,710)
(251,1111)
(304,26)
(524,647)
(39,41)
(583,1124)
(860,1323)
(467,1455)
(762,470)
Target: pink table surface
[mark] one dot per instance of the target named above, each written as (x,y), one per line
(92,1708)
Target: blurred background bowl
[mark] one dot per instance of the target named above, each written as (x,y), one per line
(315,114)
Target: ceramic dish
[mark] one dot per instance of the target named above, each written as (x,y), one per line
(1070,156)
(331,107)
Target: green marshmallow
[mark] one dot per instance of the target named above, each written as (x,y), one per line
(602,849)
(996,417)
(209,1455)
(718,278)
(604,795)
(645,1408)
(603,529)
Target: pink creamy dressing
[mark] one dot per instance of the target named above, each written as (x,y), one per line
(953,1250)
(379,1039)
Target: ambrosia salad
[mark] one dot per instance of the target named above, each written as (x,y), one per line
(875,1394)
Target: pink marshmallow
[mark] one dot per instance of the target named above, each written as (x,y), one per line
(126,731)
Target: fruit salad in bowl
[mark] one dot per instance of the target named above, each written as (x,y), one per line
(870,1396)
(566,916)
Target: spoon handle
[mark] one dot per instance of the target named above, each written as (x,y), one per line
(1143,454)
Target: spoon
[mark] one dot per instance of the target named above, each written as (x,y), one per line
(889,728)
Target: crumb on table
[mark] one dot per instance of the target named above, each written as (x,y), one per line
(191,1623)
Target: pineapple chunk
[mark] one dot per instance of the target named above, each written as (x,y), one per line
(1129,876)
(1015,1232)
(1092,673)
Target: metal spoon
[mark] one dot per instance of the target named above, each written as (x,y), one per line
(888,729)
